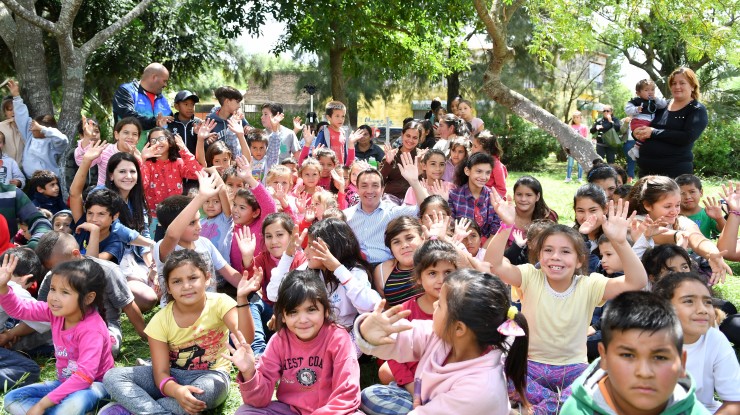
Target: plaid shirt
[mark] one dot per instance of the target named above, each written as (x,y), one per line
(463,204)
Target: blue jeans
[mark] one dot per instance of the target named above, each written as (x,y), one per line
(19,401)
(627,146)
(13,367)
(569,171)
(261,314)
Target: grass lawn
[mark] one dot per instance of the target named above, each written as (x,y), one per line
(559,196)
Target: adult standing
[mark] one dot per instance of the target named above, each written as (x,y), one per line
(602,125)
(143,99)
(395,183)
(14,143)
(669,140)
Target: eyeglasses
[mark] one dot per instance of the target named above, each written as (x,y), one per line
(160,139)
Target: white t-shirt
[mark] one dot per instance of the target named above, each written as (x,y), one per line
(713,365)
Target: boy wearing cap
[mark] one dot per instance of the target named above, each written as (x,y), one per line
(185,119)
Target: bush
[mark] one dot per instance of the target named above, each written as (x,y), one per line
(525,146)
(717,151)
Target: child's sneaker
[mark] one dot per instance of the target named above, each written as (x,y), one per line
(634,152)
(113,408)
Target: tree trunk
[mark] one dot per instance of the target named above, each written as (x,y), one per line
(73,82)
(338,83)
(30,65)
(580,148)
(453,87)
(352,111)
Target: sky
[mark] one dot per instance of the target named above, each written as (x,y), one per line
(272,30)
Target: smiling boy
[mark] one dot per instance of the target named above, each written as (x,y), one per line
(642,365)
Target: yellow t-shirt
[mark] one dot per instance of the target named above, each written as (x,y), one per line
(199,346)
(558,322)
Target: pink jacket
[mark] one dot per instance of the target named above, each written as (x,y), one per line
(267,206)
(476,386)
(101,162)
(318,377)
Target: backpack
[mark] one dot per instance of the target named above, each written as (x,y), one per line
(612,138)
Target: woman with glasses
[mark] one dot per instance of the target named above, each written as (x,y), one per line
(602,125)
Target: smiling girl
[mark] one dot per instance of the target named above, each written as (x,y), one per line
(126,133)
(433,168)
(393,278)
(472,199)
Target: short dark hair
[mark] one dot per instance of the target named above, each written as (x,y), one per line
(654,259)
(666,286)
(168,209)
(640,310)
(274,107)
(28,262)
(371,170)
(40,178)
(227,92)
(601,171)
(256,136)
(46,120)
(106,198)
(688,179)
(296,288)
(623,191)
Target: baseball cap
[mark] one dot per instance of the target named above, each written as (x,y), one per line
(183,95)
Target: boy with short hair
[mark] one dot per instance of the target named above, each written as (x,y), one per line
(333,136)
(265,153)
(710,220)
(642,110)
(10,171)
(44,186)
(272,115)
(642,363)
(185,120)
(229,129)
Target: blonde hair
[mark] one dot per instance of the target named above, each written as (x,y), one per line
(277,171)
(326,198)
(573,115)
(308,163)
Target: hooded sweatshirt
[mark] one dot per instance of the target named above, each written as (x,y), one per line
(472,387)
(588,399)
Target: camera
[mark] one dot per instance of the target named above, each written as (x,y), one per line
(310,89)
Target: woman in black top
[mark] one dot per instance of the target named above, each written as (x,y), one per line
(668,149)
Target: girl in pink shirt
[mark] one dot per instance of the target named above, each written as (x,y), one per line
(82,344)
(462,368)
(310,358)
(126,132)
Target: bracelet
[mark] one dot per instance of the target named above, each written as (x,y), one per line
(675,238)
(735,212)
(505,226)
(164,382)
(242,305)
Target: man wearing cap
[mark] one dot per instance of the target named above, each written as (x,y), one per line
(143,99)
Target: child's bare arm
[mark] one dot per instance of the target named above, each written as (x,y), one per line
(501,266)
(615,228)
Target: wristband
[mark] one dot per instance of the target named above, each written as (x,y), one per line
(735,212)
(164,382)
(504,227)
(242,305)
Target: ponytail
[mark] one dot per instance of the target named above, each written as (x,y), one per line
(515,366)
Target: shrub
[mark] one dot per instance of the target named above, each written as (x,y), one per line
(525,146)
(717,151)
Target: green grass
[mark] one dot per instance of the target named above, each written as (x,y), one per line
(559,196)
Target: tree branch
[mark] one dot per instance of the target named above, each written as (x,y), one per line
(105,34)
(8,27)
(67,14)
(31,16)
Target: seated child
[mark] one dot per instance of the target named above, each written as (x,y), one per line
(10,171)
(62,220)
(642,363)
(81,341)
(45,190)
(710,360)
(217,225)
(711,220)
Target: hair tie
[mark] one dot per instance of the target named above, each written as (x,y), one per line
(509,327)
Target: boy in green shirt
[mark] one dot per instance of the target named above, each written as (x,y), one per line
(710,220)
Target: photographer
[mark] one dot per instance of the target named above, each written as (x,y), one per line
(602,125)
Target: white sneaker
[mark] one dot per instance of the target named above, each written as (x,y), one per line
(567,180)
(634,153)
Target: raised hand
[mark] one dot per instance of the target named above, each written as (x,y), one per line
(506,210)
(378,326)
(14,88)
(390,153)
(249,285)
(246,242)
(235,126)
(713,208)
(731,193)
(520,238)
(161,120)
(438,225)
(275,121)
(322,253)
(338,180)
(180,143)
(6,270)
(207,184)
(307,136)
(356,136)
(720,269)
(438,187)
(244,169)
(279,192)
(88,131)
(94,151)
(301,201)
(615,226)
(297,126)
(151,151)
(242,356)
(409,168)
(462,229)
(296,240)
(589,225)
(310,214)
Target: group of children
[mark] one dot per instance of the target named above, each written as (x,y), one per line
(483,304)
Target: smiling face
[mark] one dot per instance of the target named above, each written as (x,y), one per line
(478,175)
(129,135)
(410,139)
(187,285)
(694,308)
(276,239)
(559,260)
(370,190)
(306,320)
(63,300)
(100,216)
(668,206)
(681,88)
(586,207)
(125,176)
(212,206)
(525,199)
(404,245)
(435,167)
(643,369)
(158,139)
(432,278)
(675,264)
(242,213)
(457,154)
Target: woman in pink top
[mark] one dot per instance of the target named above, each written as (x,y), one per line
(462,369)
(126,132)
(575,122)
(82,344)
